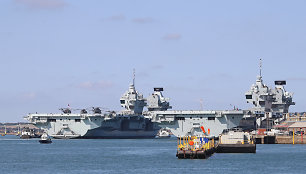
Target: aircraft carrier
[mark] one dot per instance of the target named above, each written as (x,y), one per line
(129,123)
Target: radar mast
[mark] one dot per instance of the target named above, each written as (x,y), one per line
(132,101)
(260,67)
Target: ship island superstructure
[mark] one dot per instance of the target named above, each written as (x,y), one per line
(270,105)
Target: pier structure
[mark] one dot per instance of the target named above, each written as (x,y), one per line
(291,131)
(280,139)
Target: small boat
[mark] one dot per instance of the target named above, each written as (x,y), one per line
(163,133)
(45,139)
(27,133)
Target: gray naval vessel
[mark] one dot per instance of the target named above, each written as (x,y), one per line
(270,106)
(129,123)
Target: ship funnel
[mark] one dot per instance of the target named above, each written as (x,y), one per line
(157,102)
(132,100)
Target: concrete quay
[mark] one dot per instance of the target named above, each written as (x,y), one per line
(264,139)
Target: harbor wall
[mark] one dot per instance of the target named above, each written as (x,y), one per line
(289,140)
(261,139)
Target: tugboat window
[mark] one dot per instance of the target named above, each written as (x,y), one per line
(77,120)
(211,118)
(122,101)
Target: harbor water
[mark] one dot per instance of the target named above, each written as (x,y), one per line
(139,156)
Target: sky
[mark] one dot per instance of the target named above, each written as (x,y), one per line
(82,53)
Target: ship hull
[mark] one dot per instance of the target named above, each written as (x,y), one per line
(124,128)
(45,141)
(117,134)
(119,127)
(197,123)
(66,136)
(29,136)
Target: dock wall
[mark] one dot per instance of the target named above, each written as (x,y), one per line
(280,139)
(289,140)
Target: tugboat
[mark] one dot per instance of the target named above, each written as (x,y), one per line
(45,139)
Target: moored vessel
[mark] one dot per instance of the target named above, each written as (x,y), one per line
(163,133)
(27,133)
(45,139)
(95,123)
(236,141)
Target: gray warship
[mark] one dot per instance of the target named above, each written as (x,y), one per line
(129,123)
(269,107)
